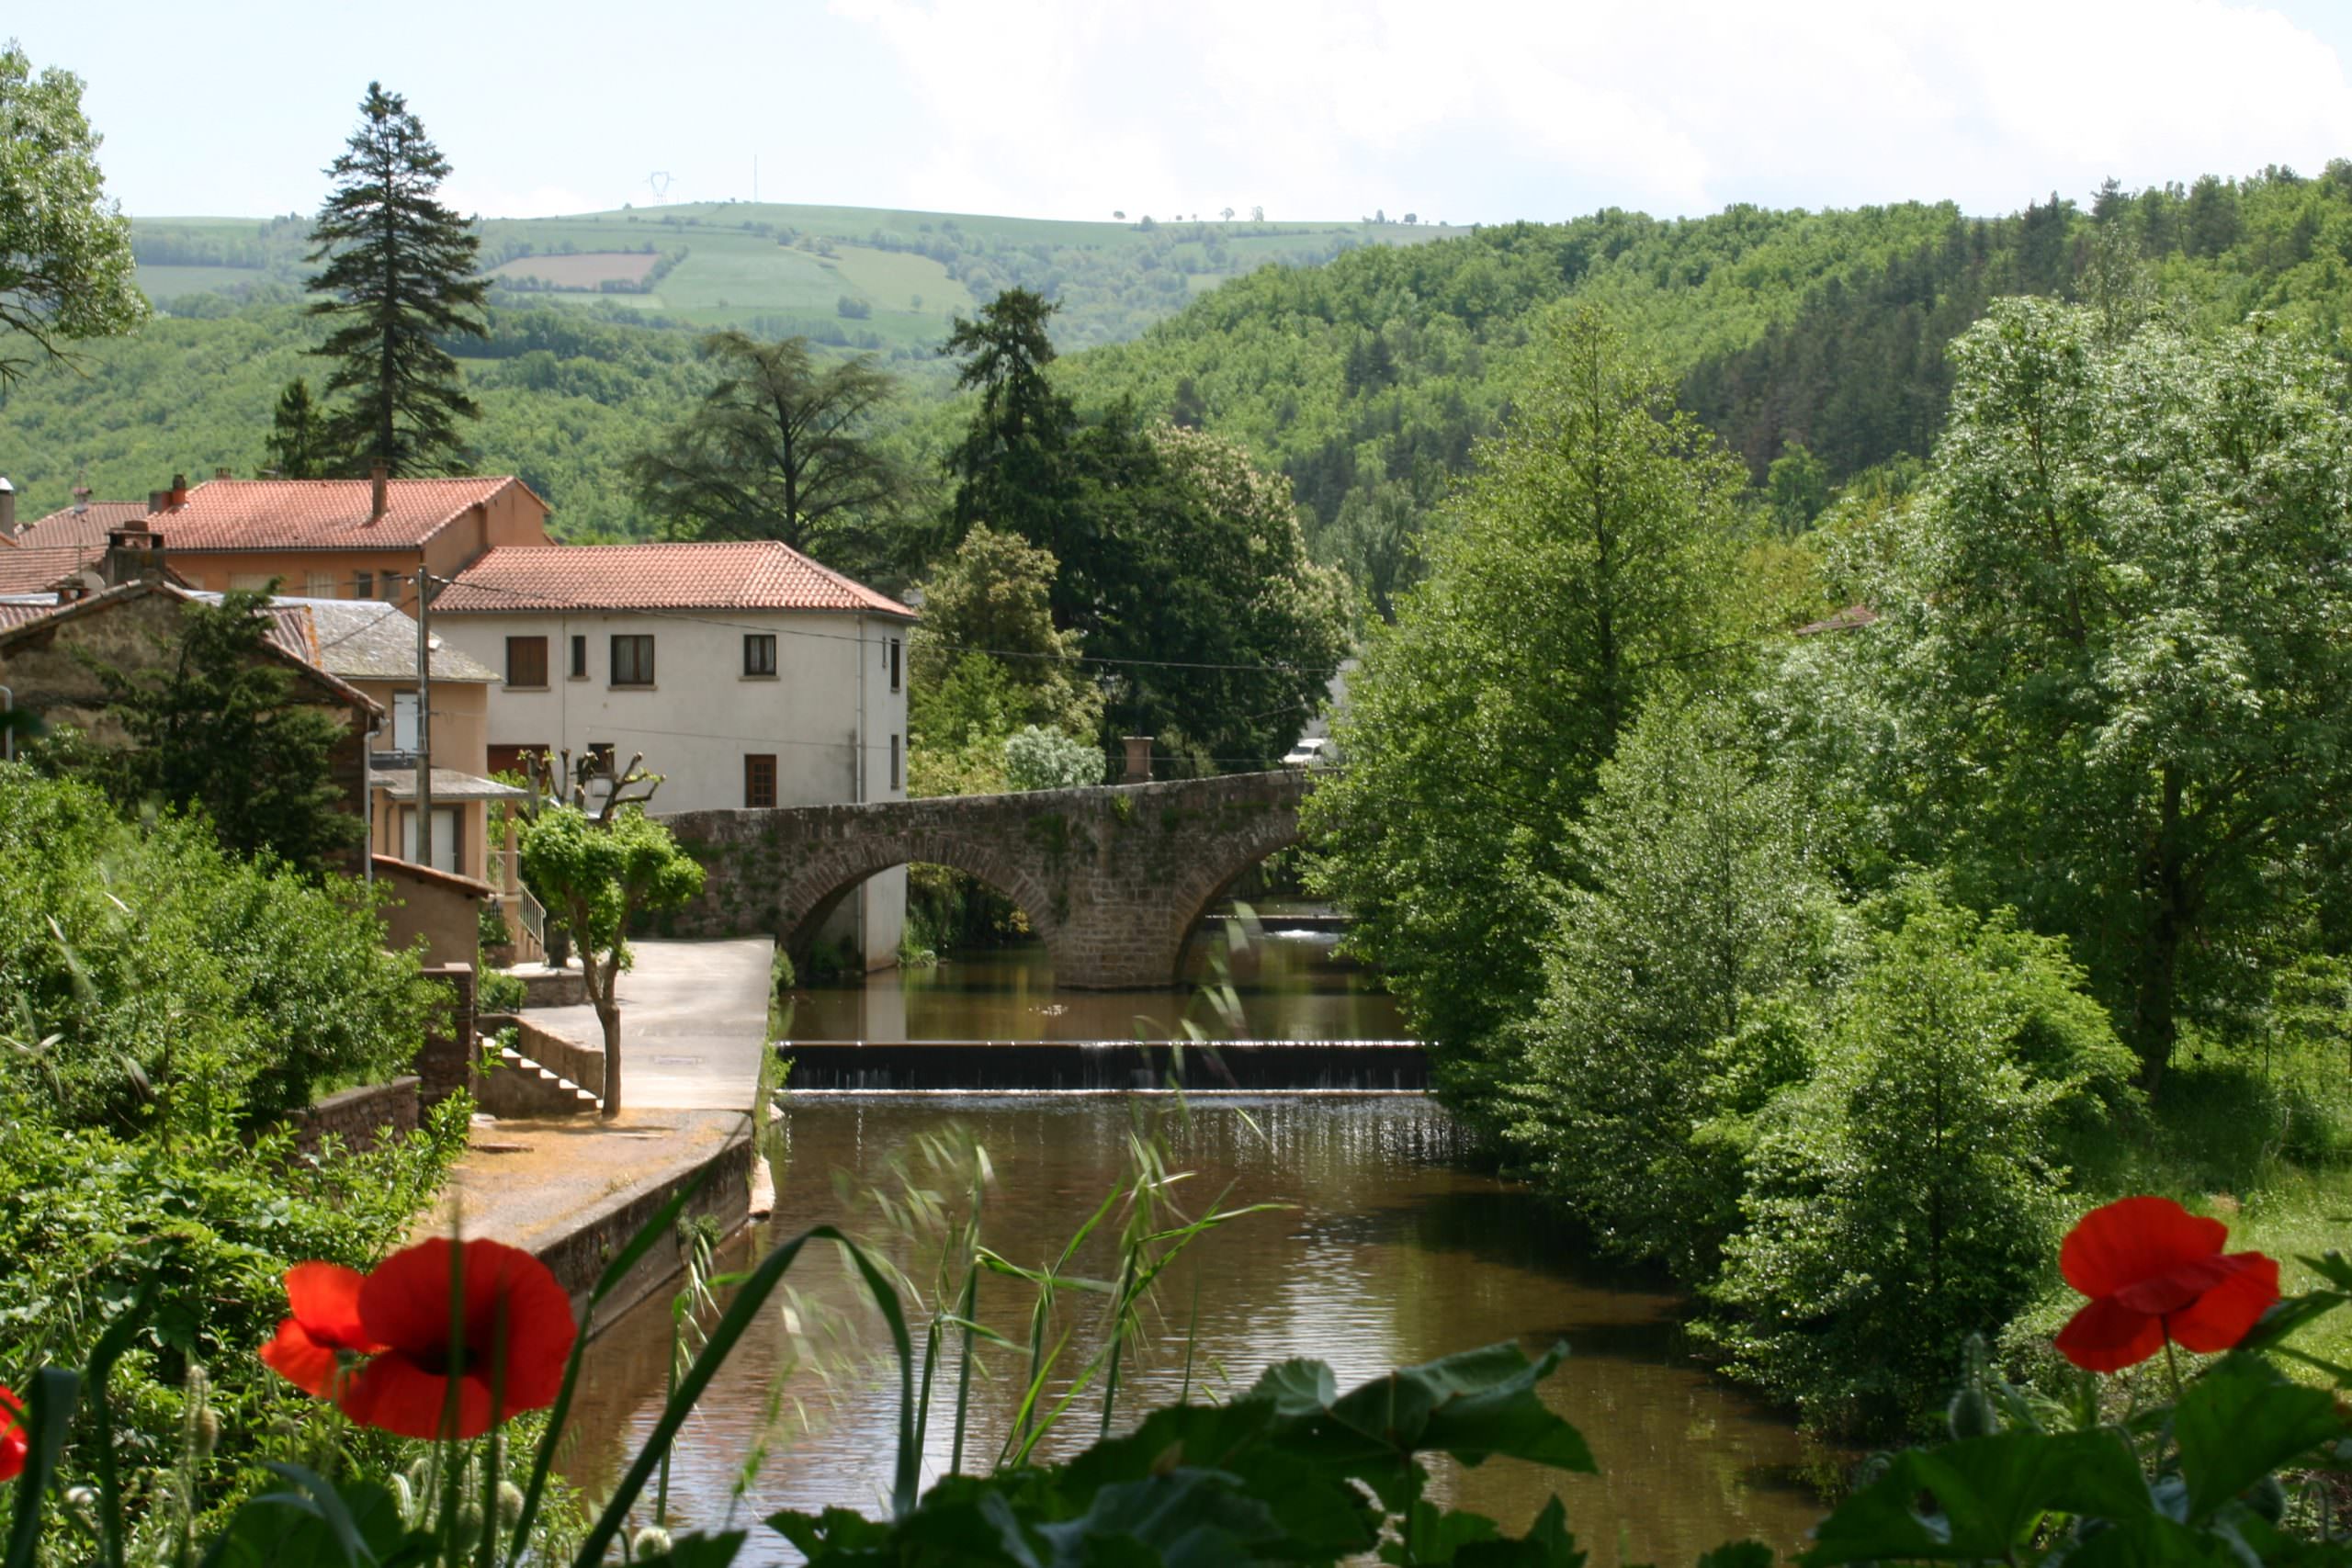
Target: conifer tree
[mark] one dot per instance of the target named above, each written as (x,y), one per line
(298,435)
(400,273)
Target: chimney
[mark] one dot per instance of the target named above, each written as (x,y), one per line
(7,509)
(1138,758)
(179,490)
(81,500)
(134,554)
(220,473)
(382,476)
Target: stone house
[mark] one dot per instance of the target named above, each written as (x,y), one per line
(48,651)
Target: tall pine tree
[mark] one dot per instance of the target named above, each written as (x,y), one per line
(400,272)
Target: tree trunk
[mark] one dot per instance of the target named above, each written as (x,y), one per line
(2165,883)
(608,1013)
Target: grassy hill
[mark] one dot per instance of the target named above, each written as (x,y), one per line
(1365,370)
(855,276)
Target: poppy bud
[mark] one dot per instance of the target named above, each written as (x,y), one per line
(650,1541)
(509,1504)
(1971,1415)
(208,1431)
(469,1526)
(403,1498)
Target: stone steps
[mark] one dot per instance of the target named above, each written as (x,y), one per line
(519,1086)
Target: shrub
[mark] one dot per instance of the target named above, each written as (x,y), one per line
(1908,1193)
(173,980)
(1038,758)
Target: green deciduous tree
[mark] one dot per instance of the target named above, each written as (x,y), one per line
(298,437)
(2112,632)
(65,266)
(779,448)
(1584,568)
(990,604)
(596,874)
(1906,1194)
(1684,984)
(1038,758)
(221,725)
(400,276)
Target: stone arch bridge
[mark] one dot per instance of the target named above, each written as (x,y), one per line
(1112,878)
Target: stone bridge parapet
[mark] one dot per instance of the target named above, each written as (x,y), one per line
(1112,878)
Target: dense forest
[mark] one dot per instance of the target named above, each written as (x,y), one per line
(1365,380)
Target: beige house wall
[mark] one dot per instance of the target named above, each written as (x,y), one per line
(442,909)
(829,715)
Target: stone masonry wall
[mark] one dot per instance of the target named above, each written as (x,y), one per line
(1112,878)
(357,1115)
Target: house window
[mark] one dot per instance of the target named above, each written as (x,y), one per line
(759,779)
(632,662)
(405,722)
(365,583)
(894,762)
(250,582)
(526,661)
(579,658)
(319,585)
(446,855)
(894,665)
(759,654)
(390,583)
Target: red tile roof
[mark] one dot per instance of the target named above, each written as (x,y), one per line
(319,514)
(86,527)
(752,574)
(38,569)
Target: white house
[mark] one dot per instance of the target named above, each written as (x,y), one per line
(747,674)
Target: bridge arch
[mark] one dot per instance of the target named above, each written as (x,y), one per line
(1114,878)
(809,894)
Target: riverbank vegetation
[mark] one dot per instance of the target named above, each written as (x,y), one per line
(1836,970)
(163,1006)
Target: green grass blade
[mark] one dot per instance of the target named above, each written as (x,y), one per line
(49,1410)
(643,1242)
(740,1315)
(108,1350)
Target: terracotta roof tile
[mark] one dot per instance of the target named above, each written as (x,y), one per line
(88,528)
(39,569)
(317,514)
(752,574)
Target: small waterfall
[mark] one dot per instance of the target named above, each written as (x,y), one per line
(1252,1066)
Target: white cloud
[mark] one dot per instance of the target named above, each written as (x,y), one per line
(1071,108)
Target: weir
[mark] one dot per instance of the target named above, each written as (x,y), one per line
(1254,1066)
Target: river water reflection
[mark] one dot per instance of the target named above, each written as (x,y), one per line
(1396,1251)
(1288,983)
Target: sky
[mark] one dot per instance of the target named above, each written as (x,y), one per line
(1455,110)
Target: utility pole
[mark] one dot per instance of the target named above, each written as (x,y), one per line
(424,722)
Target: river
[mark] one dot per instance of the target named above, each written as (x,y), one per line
(1392,1249)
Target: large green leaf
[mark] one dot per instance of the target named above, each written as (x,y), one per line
(1187,1518)
(1547,1544)
(1472,1405)
(2240,1422)
(1987,1495)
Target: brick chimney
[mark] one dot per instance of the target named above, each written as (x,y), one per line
(134,554)
(178,496)
(1138,758)
(382,476)
(7,509)
(81,500)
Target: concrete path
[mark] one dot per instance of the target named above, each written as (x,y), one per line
(694,1023)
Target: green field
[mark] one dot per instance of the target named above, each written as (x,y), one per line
(773,268)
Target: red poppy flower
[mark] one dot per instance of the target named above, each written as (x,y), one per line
(312,1346)
(517,1332)
(2156,1272)
(14,1439)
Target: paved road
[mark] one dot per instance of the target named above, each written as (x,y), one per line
(694,1023)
